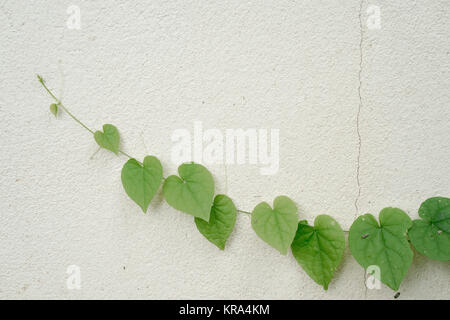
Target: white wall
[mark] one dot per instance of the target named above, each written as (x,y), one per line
(151,67)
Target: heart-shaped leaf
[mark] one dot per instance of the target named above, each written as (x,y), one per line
(319,249)
(431,234)
(192,193)
(142,181)
(109,138)
(221,221)
(54,109)
(384,245)
(276,226)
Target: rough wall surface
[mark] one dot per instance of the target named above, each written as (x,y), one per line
(308,68)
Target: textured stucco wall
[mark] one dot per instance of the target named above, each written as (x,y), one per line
(151,67)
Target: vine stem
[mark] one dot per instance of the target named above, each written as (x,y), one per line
(127,155)
(59,103)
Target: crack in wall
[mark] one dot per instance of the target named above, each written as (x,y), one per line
(358,125)
(358,115)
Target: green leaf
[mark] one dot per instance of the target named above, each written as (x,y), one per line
(142,181)
(221,221)
(384,245)
(431,236)
(437,211)
(319,249)
(192,193)
(54,109)
(109,138)
(276,226)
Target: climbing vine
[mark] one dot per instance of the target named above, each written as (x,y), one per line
(319,248)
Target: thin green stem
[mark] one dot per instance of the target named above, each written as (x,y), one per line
(126,155)
(242,211)
(92,157)
(59,103)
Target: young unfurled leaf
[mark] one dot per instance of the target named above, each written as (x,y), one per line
(192,192)
(383,245)
(276,226)
(319,248)
(109,138)
(54,109)
(431,234)
(142,181)
(221,221)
